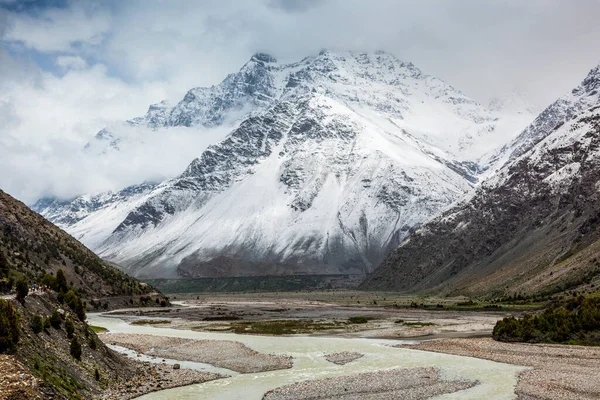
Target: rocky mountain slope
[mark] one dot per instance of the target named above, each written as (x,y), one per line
(331,162)
(531,228)
(586,95)
(34,247)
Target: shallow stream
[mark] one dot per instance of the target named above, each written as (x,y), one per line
(496,380)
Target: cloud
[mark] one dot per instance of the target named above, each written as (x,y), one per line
(69,68)
(59,29)
(71,62)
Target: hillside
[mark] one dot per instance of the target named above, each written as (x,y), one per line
(48,350)
(532,229)
(330,163)
(34,247)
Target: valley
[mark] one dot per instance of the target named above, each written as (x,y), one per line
(251,200)
(386,340)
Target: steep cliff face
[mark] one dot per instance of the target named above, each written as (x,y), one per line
(532,228)
(331,162)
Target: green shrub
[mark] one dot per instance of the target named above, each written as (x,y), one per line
(55,320)
(576,321)
(74,302)
(359,320)
(75,348)
(4,268)
(9,326)
(61,282)
(69,328)
(37,324)
(47,323)
(22,288)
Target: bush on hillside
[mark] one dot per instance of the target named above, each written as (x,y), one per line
(55,320)
(75,348)
(22,288)
(69,328)
(576,321)
(75,303)
(9,326)
(37,323)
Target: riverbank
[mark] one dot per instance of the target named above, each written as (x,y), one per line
(228,354)
(414,384)
(252,314)
(150,378)
(557,371)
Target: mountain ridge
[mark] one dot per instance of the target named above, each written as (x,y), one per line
(342,146)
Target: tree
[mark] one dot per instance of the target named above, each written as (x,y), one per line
(55,320)
(74,302)
(37,325)
(61,281)
(97,374)
(70,328)
(75,348)
(9,326)
(4,268)
(22,287)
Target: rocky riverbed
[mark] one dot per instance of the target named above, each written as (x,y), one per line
(558,371)
(221,353)
(414,384)
(343,358)
(151,378)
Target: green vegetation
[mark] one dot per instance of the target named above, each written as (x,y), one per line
(22,288)
(4,267)
(418,324)
(359,320)
(151,322)
(282,327)
(75,348)
(75,304)
(98,329)
(576,321)
(55,320)
(69,328)
(9,326)
(37,323)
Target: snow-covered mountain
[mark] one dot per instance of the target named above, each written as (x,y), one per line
(531,228)
(586,95)
(330,163)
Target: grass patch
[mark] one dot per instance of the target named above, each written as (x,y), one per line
(359,320)
(151,322)
(419,324)
(283,327)
(98,329)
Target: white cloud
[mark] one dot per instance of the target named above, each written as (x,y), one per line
(116,58)
(71,62)
(60,30)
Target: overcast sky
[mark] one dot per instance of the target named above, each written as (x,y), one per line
(69,68)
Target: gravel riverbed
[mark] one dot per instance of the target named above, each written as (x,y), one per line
(558,371)
(406,384)
(343,358)
(221,353)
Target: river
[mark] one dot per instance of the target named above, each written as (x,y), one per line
(496,380)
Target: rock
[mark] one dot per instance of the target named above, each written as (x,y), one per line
(176,366)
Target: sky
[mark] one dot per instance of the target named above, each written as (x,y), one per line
(70,68)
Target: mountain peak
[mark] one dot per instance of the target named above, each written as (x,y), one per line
(264,57)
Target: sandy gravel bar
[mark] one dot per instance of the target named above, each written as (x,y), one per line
(406,384)
(559,371)
(221,353)
(343,358)
(151,378)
